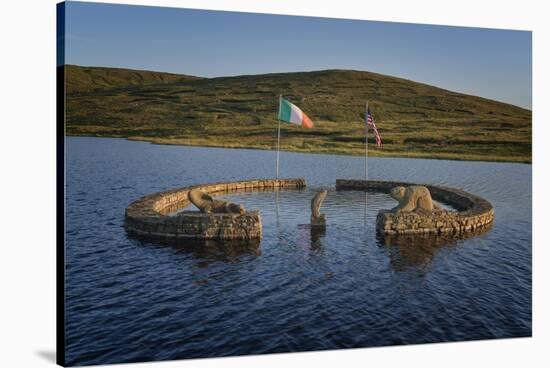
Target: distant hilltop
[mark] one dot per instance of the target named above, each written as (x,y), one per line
(414,119)
(89,79)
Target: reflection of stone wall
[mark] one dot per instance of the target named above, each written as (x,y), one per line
(148,216)
(473,212)
(418,250)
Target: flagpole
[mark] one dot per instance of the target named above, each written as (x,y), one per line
(367,141)
(278,135)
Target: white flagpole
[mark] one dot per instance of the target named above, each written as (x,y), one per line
(278,135)
(367,142)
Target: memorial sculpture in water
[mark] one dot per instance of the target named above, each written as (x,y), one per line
(413,198)
(206,204)
(318,218)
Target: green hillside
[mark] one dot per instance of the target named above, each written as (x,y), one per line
(88,79)
(414,119)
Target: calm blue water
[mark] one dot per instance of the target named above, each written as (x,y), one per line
(130,300)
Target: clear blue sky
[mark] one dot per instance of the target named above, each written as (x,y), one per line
(495,64)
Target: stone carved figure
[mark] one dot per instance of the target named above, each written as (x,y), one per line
(318,218)
(206,204)
(413,198)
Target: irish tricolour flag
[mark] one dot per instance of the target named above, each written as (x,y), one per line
(291,113)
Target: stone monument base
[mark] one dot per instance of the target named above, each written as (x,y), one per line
(150,216)
(472,213)
(435,222)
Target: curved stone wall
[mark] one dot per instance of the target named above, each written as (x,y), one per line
(473,212)
(148,216)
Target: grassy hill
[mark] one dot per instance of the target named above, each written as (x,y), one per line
(88,79)
(414,119)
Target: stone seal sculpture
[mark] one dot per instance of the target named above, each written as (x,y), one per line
(206,204)
(318,218)
(413,198)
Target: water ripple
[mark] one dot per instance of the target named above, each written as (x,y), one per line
(130,300)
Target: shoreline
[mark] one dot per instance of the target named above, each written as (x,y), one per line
(373,153)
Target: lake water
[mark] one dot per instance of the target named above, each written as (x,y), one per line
(130,300)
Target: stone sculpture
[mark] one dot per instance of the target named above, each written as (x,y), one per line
(413,198)
(318,218)
(206,204)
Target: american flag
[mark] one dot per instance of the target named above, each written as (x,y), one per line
(370,123)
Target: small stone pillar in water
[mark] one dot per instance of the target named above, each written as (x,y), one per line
(318,219)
